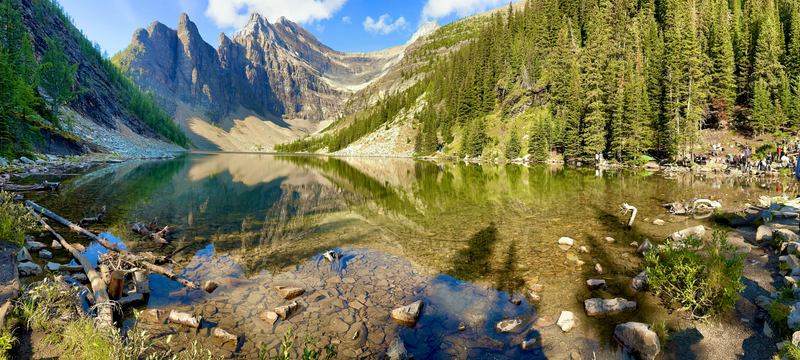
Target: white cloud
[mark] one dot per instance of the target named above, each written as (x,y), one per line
(235,13)
(346,20)
(320,28)
(384,24)
(435,9)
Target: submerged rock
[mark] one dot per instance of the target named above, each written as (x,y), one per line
(639,339)
(34,246)
(225,338)
(598,268)
(269,317)
(566,321)
(658,222)
(601,308)
(695,232)
(210,286)
(289,292)
(286,311)
(566,241)
(528,344)
(155,316)
(44,254)
(397,350)
(594,284)
(408,315)
(514,325)
(544,321)
(183,318)
(462,327)
(609,239)
(646,247)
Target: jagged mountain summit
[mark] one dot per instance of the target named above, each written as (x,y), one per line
(269,83)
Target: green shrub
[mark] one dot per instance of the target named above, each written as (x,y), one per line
(15,219)
(790,351)
(7,341)
(705,285)
(660,329)
(778,313)
(310,351)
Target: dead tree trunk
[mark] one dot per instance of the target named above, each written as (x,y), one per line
(45,186)
(157,237)
(625,208)
(145,264)
(117,282)
(105,310)
(96,219)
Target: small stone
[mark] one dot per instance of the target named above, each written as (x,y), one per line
(44,254)
(528,344)
(80,277)
(514,325)
(210,286)
(537,287)
(639,339)
(286,311)
(658,222)
(594,284)
(601,308)
(767,331)
(566,321)
(534,296)
(645,248)
(598,268)
(583,250)
(269,317)
(23,255)
(544,321)
(226,338)
(408,315)
(56,245)
(763,233)
(397,350)
(634,244)
(34,246)
(579,262)
(796,338)
(289,292)
(609,239)
(763,302)
(516,299)
(566,241)
(462,327)
(51,266)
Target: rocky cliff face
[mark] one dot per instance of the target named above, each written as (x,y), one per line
(278,71)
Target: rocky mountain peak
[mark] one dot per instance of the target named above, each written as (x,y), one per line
(424,30)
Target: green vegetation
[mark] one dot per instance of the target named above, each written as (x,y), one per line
(22,107)
(310,351)
(15,220)
(660,329)
(778,314)
(789,352)
(625,78)
(705,284)
(7,341)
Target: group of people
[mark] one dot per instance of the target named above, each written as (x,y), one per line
(771,162)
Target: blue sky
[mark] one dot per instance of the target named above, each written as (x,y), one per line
(344,25)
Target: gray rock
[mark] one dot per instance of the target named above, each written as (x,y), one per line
(601,308)
(156,316)
(269,317)
(793,247)
(289,292)
(639,339)
(696,232)
(514,325)
(594,284)
(408,315)
(80,277)
(286,311)
(795,272)
(796,338)
(3,162)
(767,331)
(646,247)
(56,245)
(51,266)
(29,269)
(764,233)
(23,255)
(516,299)
(639,282)
(44,254)
(25,160)
(794,319)
(796,294)
(788,281)
(35,245)
(785,234)
(397,350)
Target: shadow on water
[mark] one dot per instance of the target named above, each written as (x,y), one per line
(472,262)
(509,278)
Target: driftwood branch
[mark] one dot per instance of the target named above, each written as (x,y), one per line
(105,314)
(156,236)
(113,247)
(45,186)
(96,219)
(625,208)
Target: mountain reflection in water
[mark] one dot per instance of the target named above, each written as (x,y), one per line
(462,237)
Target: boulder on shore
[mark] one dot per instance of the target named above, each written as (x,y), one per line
(601,308)
(639,282)
(764,233)
(29,269)
(696,232)
(639,339)
(23,255)
(408,315)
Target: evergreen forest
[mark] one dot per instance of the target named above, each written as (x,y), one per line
(621,77)
(25,81)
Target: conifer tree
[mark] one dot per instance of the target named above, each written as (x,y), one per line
(762,109)
(537,142)
(723,82)
(513,145)
(58,76)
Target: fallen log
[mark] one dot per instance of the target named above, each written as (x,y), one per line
(113,247)
(96,219)
(45,186)
(157,237)
(105,310)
